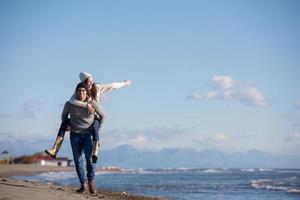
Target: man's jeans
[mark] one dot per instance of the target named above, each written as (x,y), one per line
(82,143)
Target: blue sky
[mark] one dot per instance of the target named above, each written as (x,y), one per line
(206,74)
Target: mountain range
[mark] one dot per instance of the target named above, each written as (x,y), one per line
(128,157)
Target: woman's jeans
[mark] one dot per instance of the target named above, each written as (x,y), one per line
(95,128)
(63,127)
(82,143)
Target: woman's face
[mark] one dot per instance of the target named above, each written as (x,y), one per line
(81,94)
(89,82)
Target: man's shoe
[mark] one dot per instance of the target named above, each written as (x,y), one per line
(82,189)
(92,187)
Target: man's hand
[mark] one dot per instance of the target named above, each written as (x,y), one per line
(90,108)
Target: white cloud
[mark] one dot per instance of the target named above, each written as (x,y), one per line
(149,138)
(227,88)
(225,82)
(196,96)
(139,140)
(211,94)
(29,109)
(220,137)
(220,141)
(294,137)
(159,137)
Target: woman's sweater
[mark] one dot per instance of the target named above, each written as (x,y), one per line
(101,88)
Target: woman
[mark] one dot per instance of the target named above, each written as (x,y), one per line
(81,136)
(96,91)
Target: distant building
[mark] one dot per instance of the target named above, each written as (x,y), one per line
(4,157)
(48,161)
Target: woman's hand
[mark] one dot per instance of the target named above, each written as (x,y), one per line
(127,82)
(90,108)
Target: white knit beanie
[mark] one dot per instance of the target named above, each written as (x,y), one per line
(84,75)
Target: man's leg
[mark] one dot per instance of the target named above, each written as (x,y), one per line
(77,144)
(89,165)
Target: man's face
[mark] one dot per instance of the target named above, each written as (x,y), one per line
(81,94)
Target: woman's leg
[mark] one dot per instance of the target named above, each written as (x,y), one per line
(95,129)
(95,134)
(63,127)
(59,139)
(77,144)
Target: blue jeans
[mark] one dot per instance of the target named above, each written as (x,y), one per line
(95,129)
(63,127)
(82,143)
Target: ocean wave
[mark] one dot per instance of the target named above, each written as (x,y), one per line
(248,170)
(55,176)
(265,170)
(296,191)
(213,171)
(175,171)
(289,184)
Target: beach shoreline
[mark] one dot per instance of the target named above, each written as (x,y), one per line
(11,188)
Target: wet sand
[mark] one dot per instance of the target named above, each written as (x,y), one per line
(23,189)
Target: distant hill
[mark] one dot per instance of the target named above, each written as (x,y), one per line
(128,157)
(24,147)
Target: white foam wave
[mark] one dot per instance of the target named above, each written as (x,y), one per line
(55,176)
(265,170)
(258,183)
(145,171)
(296,191)
(278,185)
(213,171)
(248,170)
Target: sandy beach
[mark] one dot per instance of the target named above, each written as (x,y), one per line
(24,189)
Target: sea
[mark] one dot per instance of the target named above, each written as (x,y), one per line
(189,184)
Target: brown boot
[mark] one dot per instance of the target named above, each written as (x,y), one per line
(83,188)
(92,186)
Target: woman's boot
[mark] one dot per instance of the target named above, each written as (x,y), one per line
(53,151)
(96,147)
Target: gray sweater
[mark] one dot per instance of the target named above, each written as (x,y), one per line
(80,120)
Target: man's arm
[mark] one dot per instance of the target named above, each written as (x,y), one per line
(99,110)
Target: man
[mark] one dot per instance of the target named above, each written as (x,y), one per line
(96,90)
(80,137)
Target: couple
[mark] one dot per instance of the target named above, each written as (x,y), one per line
(86,118)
